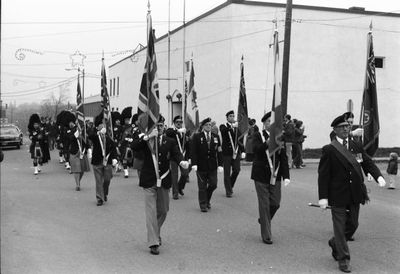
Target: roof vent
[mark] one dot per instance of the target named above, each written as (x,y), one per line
(357,8)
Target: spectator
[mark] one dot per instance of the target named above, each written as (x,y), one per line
(288,137)
(298,144)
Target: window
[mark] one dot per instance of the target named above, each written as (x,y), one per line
(110,87)
(117,86)
(379,61)
(114,86)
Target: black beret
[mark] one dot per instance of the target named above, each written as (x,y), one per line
(98,119)
(266,116)
(177,117)
(348,115)
(115,115)
(134,118)
(126,113)
(161,119)
(205,121)
(229,113)
(340,121)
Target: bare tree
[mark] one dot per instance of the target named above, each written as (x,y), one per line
(53,105)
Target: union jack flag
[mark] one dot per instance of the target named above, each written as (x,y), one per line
(80,116)
(105,101)
(149,106)
(243,117)
(191,110)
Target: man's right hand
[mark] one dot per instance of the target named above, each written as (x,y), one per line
(194,168)
(323,203)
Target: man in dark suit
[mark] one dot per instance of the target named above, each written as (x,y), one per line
(206,159)
(267,172)
(155,178)
(104,156)
(178,133)
(341,185)
(232,151)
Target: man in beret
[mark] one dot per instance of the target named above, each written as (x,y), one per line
(232,151)
(206,156)
(341,185)
(155,178)
(178,133)
(104,156)
(268,190)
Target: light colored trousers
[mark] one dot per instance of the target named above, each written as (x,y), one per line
(156,206)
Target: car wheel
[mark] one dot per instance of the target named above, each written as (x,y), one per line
(18,146)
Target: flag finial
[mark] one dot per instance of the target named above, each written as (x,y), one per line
(370,26)
(191,57)
(275,21)
(102,55)
(148,6)
(242,57)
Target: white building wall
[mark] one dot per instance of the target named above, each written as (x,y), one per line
(327,66)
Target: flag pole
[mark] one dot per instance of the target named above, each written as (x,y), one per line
(286,56)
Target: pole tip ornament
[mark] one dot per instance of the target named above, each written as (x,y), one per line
(370,26)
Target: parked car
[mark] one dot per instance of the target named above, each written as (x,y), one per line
(10,136)
(17,128)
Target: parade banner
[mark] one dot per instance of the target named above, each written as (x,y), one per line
(276,141)
(105,101)
(80,116)
(191,110)
(242,114)
(148,106)
(370,117)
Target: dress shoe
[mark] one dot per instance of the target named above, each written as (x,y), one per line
(154,250)
(344,266)
(180,191)
(175,197)
(229,195)
(208,206)
(99,203)
(203,209)
(77,188)
(267,241)
(105,198)
(332,245)
(159,239)
(351,239)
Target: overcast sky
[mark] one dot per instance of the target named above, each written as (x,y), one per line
(48,32)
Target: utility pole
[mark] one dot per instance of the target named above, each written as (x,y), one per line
(286,56)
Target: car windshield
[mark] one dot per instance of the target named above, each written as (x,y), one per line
(9,131)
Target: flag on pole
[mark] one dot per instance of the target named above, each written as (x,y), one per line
(243,117)
(370,117)
(149,106)
(80,116)
(105,101)
(191,110)
(276,141)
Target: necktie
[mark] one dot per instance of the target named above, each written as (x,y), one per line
(208,139)
(345,143)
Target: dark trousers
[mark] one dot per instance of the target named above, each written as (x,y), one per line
(178,184)
(207,182)
(297,154)
(102,176)
(345,223)
(230,178)
(269,199)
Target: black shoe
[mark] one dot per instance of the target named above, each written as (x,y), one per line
(208,206)
(344,266)
(267,241)
(180,191)
(332,245)
(203,209)
(154,250)
(99,203)
(105,198)
(159,239)
(259,220)
(175,197)
(229,195)
(351,239)
(77,188)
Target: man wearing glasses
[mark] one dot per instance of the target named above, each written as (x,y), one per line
(155,178)
(178,133)
(206,156)
(341,185)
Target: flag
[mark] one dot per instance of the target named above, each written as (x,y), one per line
(370,117)
(276,113)
(80,116)
(105,102)
(191,110)
(149,105)
(243,117)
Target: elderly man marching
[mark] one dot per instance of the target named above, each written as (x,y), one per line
(178,133)
(341,185)
(206,159)
(267,176)
(155,178)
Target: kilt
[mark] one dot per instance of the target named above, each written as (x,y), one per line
(79,165)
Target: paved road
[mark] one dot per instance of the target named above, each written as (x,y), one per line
(48,227)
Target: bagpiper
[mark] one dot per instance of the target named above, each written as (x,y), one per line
(126,140)
(36,135)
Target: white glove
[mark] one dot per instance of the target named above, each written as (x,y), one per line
(220,169)
(146,137)
(153,133)
(381,181)
(114,162)
(323,203)
(243,155)
(182,130)
(286,182)
(357,132)
(184,164)
(76,133)
(89,153)
(194,168)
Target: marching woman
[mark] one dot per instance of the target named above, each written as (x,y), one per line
(78,153)
(36,136)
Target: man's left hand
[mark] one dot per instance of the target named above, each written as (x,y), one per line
(286,182)
(114,162)
(184,164)
(381,181)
